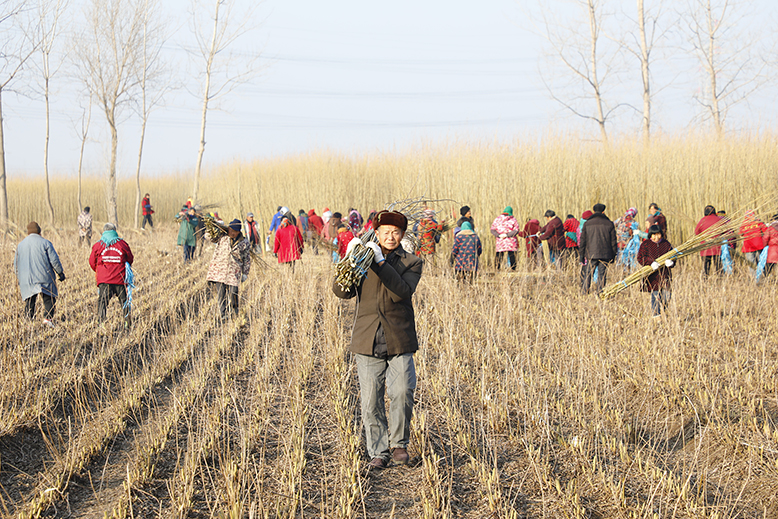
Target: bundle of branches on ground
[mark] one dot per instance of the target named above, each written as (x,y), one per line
(354,266)
(726,232)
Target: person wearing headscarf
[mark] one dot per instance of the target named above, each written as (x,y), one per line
(570,226)
(384,340)
(505,228)
(84,222)
(36,264)
(289,242)
(659,282)
(429,231)
(355,222)
(109,259)
(229,267)
(623,226)
(466,251)
(326,215)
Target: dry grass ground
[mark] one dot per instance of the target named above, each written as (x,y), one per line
(533,400)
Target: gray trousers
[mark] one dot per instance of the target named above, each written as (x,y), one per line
(394,376)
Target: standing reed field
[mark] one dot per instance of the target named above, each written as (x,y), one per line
(532,401)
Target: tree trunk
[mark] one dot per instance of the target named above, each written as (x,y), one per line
(206,97)
(46,157)
(644,63)
(714,96)
(111,197)
(137,171)
(593,59)
(84,134)
(3,191)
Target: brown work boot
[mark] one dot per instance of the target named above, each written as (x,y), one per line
(400,456)
(376,463)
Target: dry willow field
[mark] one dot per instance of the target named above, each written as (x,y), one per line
(533,400)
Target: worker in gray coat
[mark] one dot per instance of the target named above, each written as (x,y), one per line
(36,263)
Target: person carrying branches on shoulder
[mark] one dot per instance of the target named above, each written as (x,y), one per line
(230,265)
(384,340)
(659,282)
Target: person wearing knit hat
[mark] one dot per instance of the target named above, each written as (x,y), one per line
(109,259)
(37,266)
(466,215)
(505,228)
(465,252)
(229,267)
(384,340)
(659,282)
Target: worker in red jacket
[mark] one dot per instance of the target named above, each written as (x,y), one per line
(289,242)
(315,229)
(108,259)
(711,256)
(752,232)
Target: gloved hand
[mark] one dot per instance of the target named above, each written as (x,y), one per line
(655,265)
(669,263)
(503,235)
(243,278)
(378,256)
(353,243)
(61,276)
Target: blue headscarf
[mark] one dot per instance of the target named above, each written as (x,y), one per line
(110,237)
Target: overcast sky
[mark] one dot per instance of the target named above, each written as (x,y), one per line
(355,76)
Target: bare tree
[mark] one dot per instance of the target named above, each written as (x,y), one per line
(151,91)
(109,55)
(16,47)
(83,133)
(48,28)
(585,57)
(223,71)
(727,45)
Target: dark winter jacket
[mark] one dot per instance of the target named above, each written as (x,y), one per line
(384,298)
(554,232)
(647,254)
(598,239)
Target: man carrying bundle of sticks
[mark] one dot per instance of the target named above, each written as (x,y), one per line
(384,340)
(229,266)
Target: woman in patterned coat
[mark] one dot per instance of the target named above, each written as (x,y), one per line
(504,229)
(467,249)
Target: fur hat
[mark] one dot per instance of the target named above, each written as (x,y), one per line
(464,210)
(599,208)
(391,218)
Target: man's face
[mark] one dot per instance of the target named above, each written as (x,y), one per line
(390,236)
(469,214)
(250,219)
(656,237)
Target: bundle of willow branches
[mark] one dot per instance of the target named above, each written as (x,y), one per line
(723,233)
(354,266)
